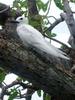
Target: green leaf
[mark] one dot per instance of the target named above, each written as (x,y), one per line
(15,3)
(46,96)
(2,75)
(41,5)
(50,34)
(23,4)
(13,94)
(45,6)
(59,4)
(39,93)
(53,34)
(20,4)
(72,1)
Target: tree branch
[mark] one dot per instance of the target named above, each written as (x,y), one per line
(17,82)
(34,65)
(56,41)
(4,13)
(68,17)
(54,24)
(33,15)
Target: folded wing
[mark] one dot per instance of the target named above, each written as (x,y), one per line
(33,37)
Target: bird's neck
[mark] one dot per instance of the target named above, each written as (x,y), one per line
(21,23)
(25,22)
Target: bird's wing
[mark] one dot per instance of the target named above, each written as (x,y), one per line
(27,32)
(56,48)
(33,37)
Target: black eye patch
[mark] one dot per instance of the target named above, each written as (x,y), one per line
(21,18)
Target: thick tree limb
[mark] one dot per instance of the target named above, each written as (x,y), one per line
(39,68)
(68,17)
(34,16)
(4,13)
(32,8)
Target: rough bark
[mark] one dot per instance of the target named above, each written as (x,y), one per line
(34,17)
(37,67)
(69,19)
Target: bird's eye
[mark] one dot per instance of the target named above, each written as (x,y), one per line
(21,18)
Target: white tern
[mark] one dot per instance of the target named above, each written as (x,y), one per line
(32,37)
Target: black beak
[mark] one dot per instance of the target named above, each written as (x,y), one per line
(14,21)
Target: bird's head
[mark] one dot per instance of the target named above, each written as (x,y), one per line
(20,20)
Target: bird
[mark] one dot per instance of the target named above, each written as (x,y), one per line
(32,37)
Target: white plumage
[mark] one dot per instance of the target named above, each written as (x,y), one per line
(33,37)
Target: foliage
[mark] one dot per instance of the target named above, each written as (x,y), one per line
(13,94)
(46,96)
(72,1)
(23,4)
(39,93)
(2,75)
(42,5)
(59,4)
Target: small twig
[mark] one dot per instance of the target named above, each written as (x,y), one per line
(49,21)
(56,40)
(28,86)
(53,25)
(23,96)
(4,88)
(44,16)
(52,17)
(49,17)
(48,7)
(4,83)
